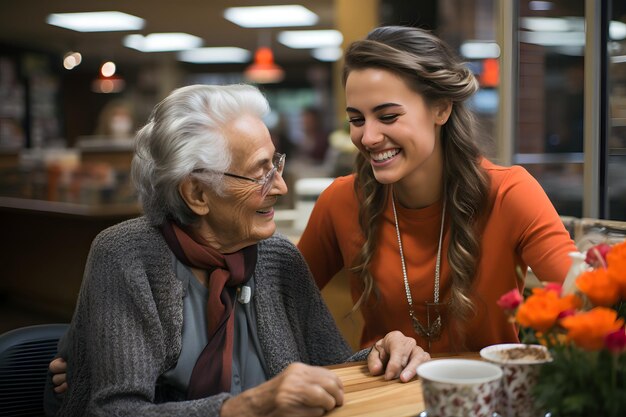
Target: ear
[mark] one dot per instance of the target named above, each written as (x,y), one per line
(442,110)
(194,195)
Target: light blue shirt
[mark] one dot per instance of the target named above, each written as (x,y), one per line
(249,369)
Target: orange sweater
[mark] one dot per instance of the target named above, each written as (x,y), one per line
(522,228)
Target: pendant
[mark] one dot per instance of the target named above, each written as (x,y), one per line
(432,331)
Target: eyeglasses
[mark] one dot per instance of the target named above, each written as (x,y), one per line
(278,162)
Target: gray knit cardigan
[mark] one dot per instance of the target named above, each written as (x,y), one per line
(126,329)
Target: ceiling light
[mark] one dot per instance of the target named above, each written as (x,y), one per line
(310,39)
(480,50)
(160,42)
(107,81)
(108,69)
(271,16)
(72,60)
(263,70)
(215,55)
(96,21)
(330,54)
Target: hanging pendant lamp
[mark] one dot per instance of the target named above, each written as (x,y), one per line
(264,70)
(108,81)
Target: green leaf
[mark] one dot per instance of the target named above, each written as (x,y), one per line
(580,383)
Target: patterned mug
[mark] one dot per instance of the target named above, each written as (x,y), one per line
(460,387)
(520,365)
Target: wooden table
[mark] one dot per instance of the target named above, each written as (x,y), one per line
(373,396)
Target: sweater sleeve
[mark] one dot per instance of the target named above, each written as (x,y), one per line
(318,243)
(541,239)
(325,343)
(117,348)
(311,320)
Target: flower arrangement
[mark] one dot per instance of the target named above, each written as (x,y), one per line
(583,326)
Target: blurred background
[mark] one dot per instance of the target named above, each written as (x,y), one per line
(72,94)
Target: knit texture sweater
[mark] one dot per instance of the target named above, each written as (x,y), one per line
(126,329)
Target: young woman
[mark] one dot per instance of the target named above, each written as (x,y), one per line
(431,232)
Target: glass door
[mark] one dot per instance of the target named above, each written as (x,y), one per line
(550,99)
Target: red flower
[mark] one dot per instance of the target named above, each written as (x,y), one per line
(596,255)
(511,300)
(566,313)
(616,341)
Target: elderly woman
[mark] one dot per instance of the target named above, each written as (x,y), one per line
(196,308)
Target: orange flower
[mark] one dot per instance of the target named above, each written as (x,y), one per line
(599,287)
(588,330)
(616,260)
(542,308)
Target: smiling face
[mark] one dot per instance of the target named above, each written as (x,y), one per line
(394,128)
(241,216)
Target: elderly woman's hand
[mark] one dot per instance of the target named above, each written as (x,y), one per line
(300,390)
(396,355)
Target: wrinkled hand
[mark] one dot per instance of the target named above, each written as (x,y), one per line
(58,367)
(300,390)
(396,355)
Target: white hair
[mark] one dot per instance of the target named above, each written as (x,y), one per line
(185,132)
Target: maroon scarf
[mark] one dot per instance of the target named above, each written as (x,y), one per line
(213,370)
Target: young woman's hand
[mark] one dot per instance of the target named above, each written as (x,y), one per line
(58,367)
(397,356)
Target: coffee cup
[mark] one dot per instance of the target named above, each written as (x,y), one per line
(460,387)
(520,365)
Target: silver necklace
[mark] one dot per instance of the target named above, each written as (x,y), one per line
(432,331)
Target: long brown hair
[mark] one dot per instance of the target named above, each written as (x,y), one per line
(431,69)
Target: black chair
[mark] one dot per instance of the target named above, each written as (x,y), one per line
(24,357)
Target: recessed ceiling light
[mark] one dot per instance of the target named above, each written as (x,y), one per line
(161,42)
(310,39)
(72,59)
(215,55)
(271,16)
(330,54)
(96,21)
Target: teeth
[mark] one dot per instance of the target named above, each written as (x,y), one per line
(382,156)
